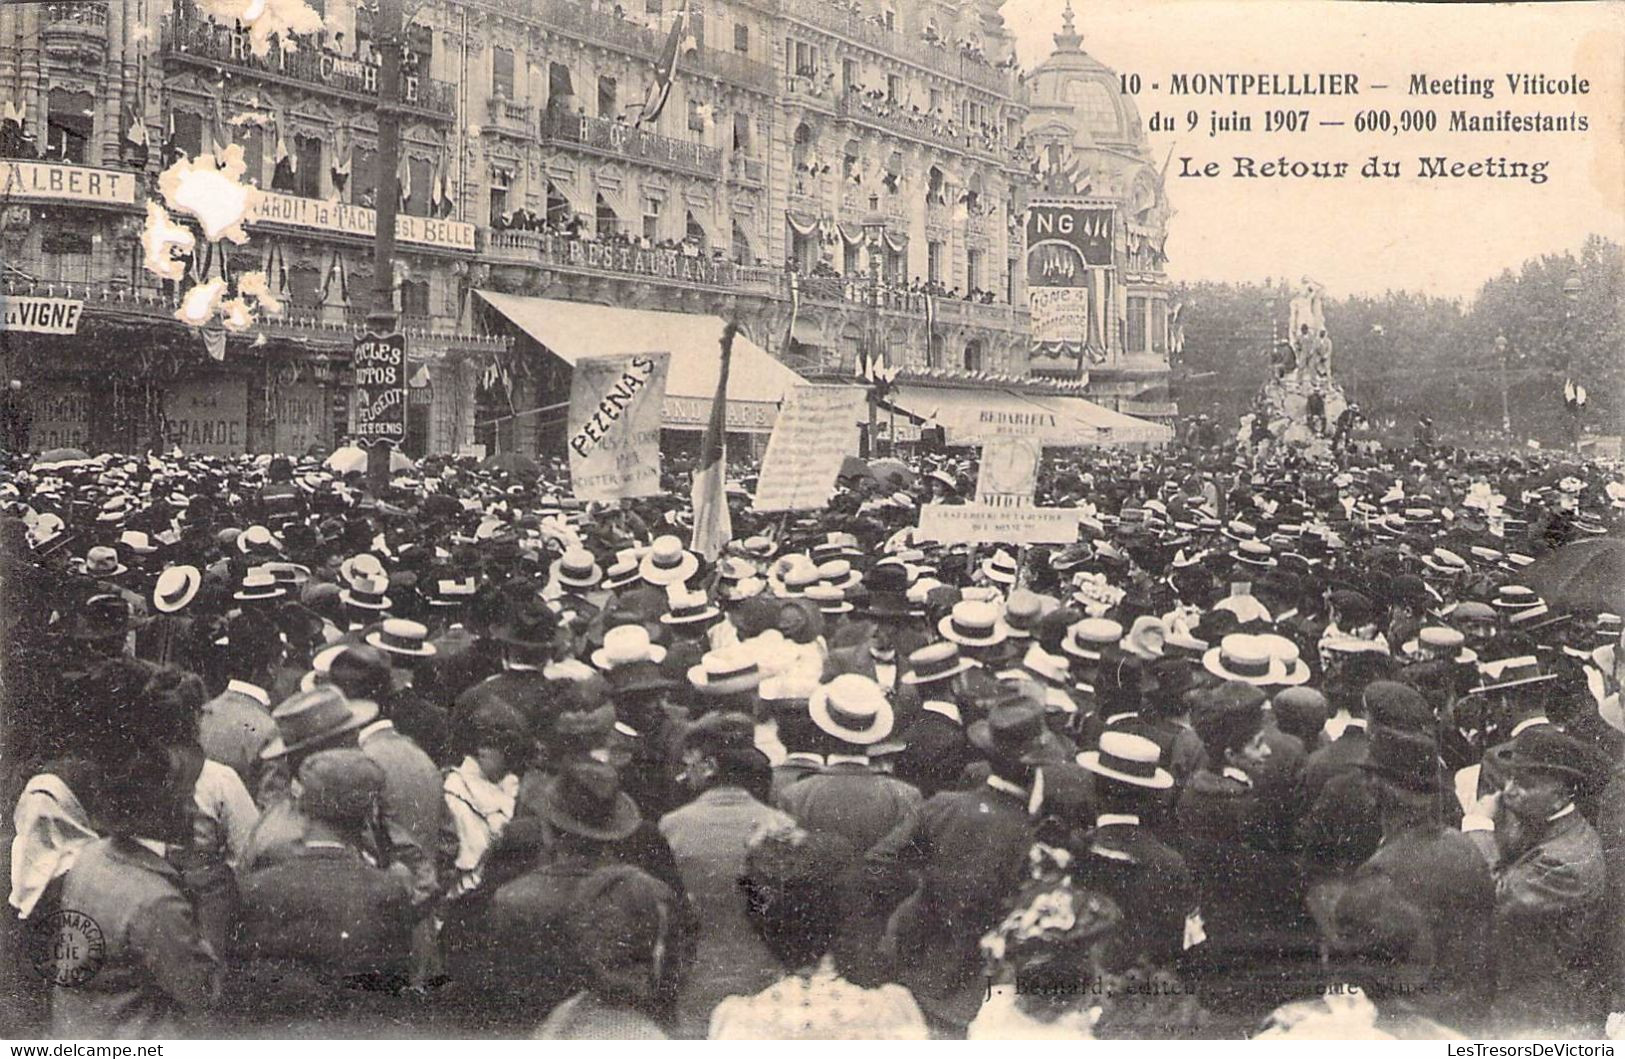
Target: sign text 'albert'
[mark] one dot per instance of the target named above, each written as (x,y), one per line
(380,387)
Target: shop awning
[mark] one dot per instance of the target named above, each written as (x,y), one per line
(970,416)
(572,330)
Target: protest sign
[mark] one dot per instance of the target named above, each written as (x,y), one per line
(615,425)
(817,428)
(1008,475)
(380,387)
(976,523)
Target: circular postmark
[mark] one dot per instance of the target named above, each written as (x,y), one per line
(66,947)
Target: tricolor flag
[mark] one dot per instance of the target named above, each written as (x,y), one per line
(713,524)
(795,309)
(287,163)
(343,160)
(336,270)
(136,135)
(214,342)
(403,177)
(665,69)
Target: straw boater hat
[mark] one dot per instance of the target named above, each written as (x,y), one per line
(625,644)
(685,608)
(367,593)
(1504,673)
(828,598)
(1086,638)
(451,592)
(258,585)
(934,663)
(839,573)
(1295,669)
(401,637)
(137,542)
(1246,659)
(973,624)
(1002,567)
(668,562)
(577,568)
(1127,758)
(1440,641)
(853,709)
(177,586)
(310,718)
(725,672)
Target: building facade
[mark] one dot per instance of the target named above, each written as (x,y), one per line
(1106,292)
(847,178)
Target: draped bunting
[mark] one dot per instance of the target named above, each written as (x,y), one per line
(801,224)
(898,241)
(852,234)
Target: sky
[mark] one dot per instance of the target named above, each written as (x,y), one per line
(1441,236)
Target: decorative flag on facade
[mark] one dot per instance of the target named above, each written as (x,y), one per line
(795,308)
(219,132)
(136,134)
(403,176)
(287,163)
(665,69)
(713,525)
(343,160)
(214,342)
(170,153)
(336,272)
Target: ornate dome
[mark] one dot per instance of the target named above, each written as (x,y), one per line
(1075,88)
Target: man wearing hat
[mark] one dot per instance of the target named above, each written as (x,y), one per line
(935,750)
(1550,881)
(237,724)
(1124,860)
(322,914)
(848,796)
(530,641)
(970,849)
(1437,869)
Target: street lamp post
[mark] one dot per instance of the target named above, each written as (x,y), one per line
(381,316)
(1501,347)
(874,236)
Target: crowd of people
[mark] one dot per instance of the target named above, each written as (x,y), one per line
(1275,748)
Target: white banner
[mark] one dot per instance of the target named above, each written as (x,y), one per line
(41,316)
(1059,314)
(973,523)
(33,181)
(817,428)
(1008,475)
(325,215)
(614,422)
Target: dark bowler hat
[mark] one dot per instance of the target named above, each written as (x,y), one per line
(586,799)
(1545,749)
(1404,759)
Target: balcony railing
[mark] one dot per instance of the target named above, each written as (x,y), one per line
(83,15)
(943,59)
(624,141)
(812,90)
(543,248)
(599,24)
(893,117)
(515,119)
(206,42)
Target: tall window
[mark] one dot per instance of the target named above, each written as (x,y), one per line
(421,174)
(973,270)
(849,262)
(364,177)
(308,180)
(252,140)
(651,218)
(741,131)
(1159,327)
(1010,281)
(973,355)
(502,72)
(933,261)
(188,132)
(69,122)
(741,38)
(849,74)
(65,255)
(894,88)
(1136,324)
(415,298)
(499,205)
(696,116)
(606,97)
(604,219)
